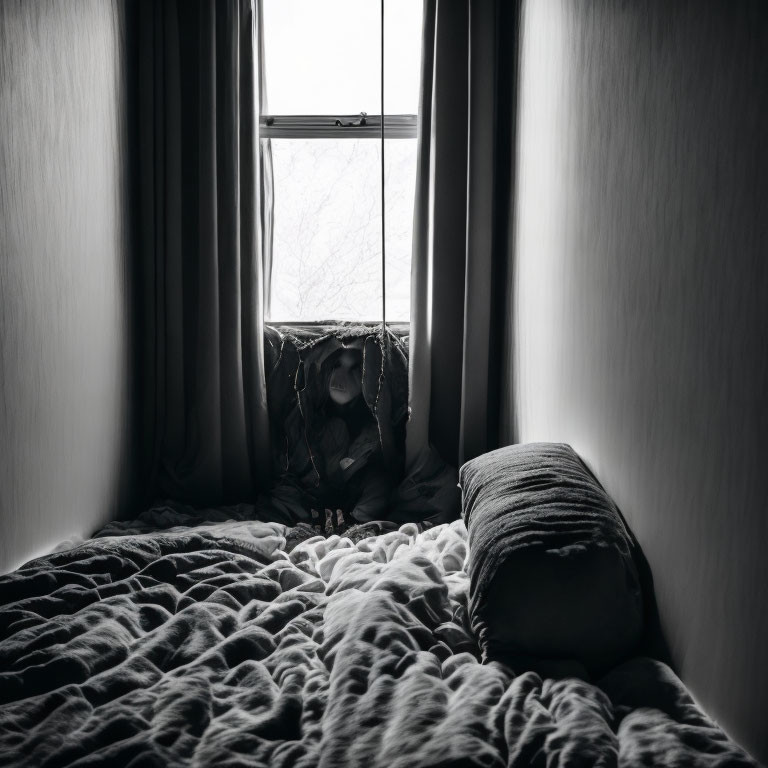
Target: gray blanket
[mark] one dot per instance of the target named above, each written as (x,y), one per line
(210,646)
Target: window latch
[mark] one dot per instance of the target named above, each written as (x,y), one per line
(353,124)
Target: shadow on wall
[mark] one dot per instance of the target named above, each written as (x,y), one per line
(653,642)
(65,239)
(640,304)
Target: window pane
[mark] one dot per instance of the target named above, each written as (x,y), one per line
(327,229)
(322,58)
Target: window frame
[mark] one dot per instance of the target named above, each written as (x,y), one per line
(396,126)
(289,126)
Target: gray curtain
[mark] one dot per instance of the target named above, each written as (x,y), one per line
(463,221)
(205,413)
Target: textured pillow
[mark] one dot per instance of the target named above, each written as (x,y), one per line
(550,564)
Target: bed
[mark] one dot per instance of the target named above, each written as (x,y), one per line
(196,638)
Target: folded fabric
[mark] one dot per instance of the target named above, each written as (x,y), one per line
(550,564)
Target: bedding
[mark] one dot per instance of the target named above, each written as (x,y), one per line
(551,571)
(178,639)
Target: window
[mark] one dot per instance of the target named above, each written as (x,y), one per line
(322,67)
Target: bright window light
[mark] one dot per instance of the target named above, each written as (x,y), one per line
(322,64)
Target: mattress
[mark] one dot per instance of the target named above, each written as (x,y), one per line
(208,643)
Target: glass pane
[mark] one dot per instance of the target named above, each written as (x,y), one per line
(327,229)
(322,58)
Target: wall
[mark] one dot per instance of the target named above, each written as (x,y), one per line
(64,240)
(641,290)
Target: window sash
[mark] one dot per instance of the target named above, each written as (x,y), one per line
(324,127)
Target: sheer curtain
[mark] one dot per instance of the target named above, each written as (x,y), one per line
(459,352)
(201,280)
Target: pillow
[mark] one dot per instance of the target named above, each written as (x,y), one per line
(550,565)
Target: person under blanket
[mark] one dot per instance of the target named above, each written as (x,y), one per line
(344,480)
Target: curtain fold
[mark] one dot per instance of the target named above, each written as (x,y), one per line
(460,376)
(205,406)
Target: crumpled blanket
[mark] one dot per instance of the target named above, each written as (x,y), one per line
(211,646)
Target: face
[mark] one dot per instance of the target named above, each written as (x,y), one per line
(346,378)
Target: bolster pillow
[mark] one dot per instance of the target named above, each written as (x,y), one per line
(550,564)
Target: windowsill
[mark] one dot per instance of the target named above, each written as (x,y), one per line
(306,331)
(398,328)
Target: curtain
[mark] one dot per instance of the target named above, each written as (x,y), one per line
(459,376)
(204,395)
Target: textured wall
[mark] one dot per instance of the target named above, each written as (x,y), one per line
(64,392)
(641,293)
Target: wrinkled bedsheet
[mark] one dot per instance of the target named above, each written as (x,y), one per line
(211,646)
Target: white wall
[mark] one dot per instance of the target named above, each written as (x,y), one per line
(64,341)
(641,295)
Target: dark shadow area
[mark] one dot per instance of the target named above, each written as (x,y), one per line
(134,479)
(653,642)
